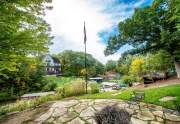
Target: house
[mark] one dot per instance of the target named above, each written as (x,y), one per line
(112,75)
(52,65)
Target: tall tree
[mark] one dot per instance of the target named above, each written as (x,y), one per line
(23,32)
(150,29)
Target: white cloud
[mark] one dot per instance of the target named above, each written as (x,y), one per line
(66,20)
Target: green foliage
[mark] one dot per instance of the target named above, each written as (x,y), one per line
(125,95)
(150,29)
(24,36)
(26,104)
(124,64)
(29,77)
(94,88)
(50,86)
(177,105)
(60,81)
(136,65)
(23,32)
(76,87)
(151,95)
(72,63)
(4,96)
(128,79)
(111,65)
(159,61)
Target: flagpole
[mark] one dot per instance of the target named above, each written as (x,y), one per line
(85,67)
(85,57)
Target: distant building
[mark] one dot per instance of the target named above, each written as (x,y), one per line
(112,75)
(52,65)
(97,79)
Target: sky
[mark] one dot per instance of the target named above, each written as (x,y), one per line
(101,18)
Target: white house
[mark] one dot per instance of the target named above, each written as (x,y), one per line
(52,64)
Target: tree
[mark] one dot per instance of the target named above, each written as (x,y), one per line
(23,32)
(72,63)
(124,64)
(150,29)
(28,77)
(137,67)
(159,62)
(111,65)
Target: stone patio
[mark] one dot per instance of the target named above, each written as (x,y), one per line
(82,112)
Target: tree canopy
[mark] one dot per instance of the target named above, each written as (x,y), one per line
(24,35)
(23,31)
(150,29)
(111,65)
(72,64)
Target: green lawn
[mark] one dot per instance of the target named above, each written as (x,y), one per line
(151,95)
(125,95)
(60,81)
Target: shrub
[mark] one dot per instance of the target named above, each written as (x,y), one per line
(5,96)
(50,86)
(177,106)
(127,79)
(94,88)
(21,105)
(74,88)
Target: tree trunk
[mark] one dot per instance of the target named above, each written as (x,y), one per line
(165,75)
(177,67)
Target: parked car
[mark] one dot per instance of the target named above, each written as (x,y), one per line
(123,85)
(106,86)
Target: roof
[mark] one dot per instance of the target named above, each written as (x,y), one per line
(109,83)
(56,60)
(96,78)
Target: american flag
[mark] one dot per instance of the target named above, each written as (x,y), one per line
(85,38)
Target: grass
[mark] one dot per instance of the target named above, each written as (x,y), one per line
(151,95)
(125,95)
(21,105)
(60,81)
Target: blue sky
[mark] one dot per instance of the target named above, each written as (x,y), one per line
(102,18)
(114,9)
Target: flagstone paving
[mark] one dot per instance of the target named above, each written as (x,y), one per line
(82,112)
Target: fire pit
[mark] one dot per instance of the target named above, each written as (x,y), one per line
(112,115)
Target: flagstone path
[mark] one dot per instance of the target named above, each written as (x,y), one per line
(82,112)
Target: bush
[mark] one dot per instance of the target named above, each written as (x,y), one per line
(94,88)
(5,96)
(50,86)
(127,79)
(77,87)
(26,104)
(177,106)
